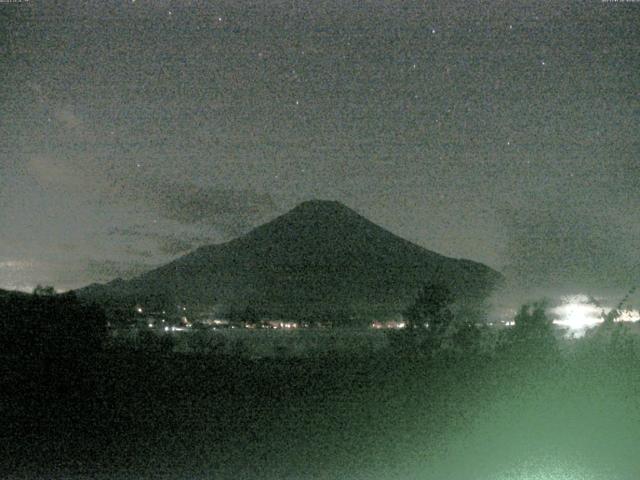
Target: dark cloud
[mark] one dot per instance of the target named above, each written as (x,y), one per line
(126,232)
(105,270)
(164,243)
(174,246)
(136,252)
(231,211)
(67,247)
(553,244)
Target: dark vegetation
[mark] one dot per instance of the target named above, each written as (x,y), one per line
(446,400)
(47,324)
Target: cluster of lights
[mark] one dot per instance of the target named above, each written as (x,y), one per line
(174,329)
(393,325)
(283,325)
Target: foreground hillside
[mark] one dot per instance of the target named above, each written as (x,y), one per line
(481,404)
(356,417)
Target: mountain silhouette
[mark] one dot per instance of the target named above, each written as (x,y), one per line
(321,258)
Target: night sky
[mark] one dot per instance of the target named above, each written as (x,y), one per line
(134,131)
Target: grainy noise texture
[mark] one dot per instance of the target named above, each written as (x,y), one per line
(497,132)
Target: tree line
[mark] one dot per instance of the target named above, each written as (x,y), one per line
(49,324)
(432,329)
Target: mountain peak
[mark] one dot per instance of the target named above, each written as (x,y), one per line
(323,209)
(321,206)
(309,223)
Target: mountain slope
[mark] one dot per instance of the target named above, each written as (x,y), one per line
(320,257)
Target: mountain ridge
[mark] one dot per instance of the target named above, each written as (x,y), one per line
(319,258)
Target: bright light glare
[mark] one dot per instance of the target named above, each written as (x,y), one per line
(629,316)
(577,314)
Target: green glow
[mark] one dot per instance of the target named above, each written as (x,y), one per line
(546,471)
